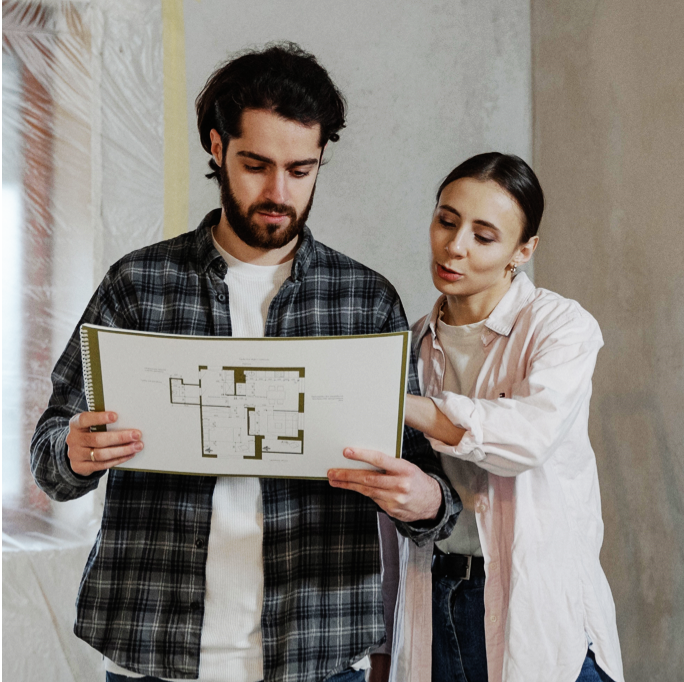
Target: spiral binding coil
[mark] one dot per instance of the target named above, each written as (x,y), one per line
(87,370)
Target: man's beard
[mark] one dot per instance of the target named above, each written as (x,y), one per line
(250,232)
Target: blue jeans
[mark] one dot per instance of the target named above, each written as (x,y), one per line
(345,676)
(458,637)
(591,672)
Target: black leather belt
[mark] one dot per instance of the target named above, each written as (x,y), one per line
(457,566)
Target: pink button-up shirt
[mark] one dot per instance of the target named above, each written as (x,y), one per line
(539,517)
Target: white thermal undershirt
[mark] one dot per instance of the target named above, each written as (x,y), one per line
(231,646)
(231,634)
(464,355)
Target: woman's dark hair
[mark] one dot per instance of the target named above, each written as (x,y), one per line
(514,176)
(281,78)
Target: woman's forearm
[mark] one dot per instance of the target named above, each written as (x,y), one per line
(422,414)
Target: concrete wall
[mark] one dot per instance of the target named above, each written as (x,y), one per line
(608,92)
(428,84)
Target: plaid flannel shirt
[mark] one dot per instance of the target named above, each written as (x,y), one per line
(141,598)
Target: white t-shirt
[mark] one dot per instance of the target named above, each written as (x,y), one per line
(231,647)
(464,354)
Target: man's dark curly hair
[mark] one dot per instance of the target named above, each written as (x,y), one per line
(281,78)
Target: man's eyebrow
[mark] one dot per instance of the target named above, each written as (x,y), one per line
(256,157)
(303,162)
(264,159)
(484,223)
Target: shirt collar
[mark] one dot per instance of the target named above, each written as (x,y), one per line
(503,317)
(210,258)
(500,320)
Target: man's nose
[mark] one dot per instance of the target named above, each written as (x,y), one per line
(276,188)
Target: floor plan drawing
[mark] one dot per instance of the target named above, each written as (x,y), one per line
(246,411)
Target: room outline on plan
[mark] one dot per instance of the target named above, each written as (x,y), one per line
(246,412)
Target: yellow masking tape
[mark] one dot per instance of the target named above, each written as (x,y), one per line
(175,120)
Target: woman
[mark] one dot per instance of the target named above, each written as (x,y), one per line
(518,593)
(507,368)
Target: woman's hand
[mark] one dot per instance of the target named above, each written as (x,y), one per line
(401,489)
(422,414)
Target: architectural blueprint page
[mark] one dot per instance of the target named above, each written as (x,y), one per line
(254,407)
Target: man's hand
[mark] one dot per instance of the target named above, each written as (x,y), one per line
(401,489)
(91,451)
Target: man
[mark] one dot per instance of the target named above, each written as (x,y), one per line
(238,579)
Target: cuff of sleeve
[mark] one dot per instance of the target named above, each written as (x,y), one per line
(422,532)
(64,466)
(460,411)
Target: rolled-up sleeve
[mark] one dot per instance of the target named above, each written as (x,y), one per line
(507,436)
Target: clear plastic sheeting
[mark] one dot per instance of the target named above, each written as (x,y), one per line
(40,573)
(83,184)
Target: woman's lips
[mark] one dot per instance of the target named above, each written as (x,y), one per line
(448,275)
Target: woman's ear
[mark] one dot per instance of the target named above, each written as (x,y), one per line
(525,251)
(216,146)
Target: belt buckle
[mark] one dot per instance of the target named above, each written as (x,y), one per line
(467,573)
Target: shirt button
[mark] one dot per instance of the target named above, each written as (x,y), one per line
(199,543)
(221,298)
(493,619)
(480,509)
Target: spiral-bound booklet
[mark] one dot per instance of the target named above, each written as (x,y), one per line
(267,407)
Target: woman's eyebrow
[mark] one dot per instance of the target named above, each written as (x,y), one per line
(478,221)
